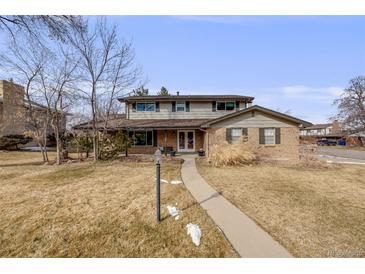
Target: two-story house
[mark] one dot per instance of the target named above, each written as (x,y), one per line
(330,131)
(187,123)
(322,130)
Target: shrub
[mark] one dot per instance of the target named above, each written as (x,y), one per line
(112,145)
(11,141)
(226,154)
(308,158)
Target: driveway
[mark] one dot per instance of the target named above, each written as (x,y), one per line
(340,155)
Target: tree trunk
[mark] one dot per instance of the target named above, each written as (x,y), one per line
(93,110)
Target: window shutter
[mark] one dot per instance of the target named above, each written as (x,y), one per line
(187,106)
(228,135)
(277,136)
(173,105)
(244,131)
(261,136)
(157,106)
(237,105)
(133,107)
(155,138)
(214,106)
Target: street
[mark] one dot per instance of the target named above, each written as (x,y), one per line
(340,155)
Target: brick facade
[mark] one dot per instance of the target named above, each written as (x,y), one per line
(288,149)
(12,110)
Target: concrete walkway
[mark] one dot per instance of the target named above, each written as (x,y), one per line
(247,238)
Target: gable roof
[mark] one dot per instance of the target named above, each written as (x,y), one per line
(262,109)
(186,97)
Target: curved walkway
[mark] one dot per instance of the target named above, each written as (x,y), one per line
(246,236)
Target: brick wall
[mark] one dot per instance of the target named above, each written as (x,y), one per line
(170,141)
(171,138)
(287,150)
(13,112)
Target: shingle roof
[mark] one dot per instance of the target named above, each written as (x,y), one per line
(262,109)
(146,123)
(185,97)
(121,122)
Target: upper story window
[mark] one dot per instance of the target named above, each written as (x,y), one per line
(146,106)
(180,106)
(225,105)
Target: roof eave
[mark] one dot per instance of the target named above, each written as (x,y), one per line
(297,121)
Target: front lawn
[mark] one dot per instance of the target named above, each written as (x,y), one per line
(97,210)
(311,212)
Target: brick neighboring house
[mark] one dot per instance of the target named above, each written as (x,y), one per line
(14,116)
(186,123)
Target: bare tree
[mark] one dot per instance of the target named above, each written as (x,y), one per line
(58,26)
(24,59)
(101,53)
(123,75)
(351,105)
(58,86)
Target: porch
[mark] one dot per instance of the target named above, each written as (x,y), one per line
(179,140)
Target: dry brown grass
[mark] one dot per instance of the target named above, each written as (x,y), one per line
(226,154)
(97,210)
(313,213)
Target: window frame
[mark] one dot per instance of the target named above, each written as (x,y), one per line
(181,103)
(146,138)
(233,140)
(225,105)
(273,136)
(145,106)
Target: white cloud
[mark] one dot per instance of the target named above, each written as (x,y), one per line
(306,91)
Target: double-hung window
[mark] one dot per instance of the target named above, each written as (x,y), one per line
(269,136)
(146,106)
(225,105)
(180,106)
(234,135)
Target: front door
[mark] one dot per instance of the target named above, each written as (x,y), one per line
(186,140)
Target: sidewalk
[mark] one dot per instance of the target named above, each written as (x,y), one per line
(248,239)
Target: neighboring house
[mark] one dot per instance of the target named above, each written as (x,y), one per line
(187,123)
(14,111)
(313,133)
(322,129)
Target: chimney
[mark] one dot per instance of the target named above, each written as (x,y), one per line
(336,126)
(177,93)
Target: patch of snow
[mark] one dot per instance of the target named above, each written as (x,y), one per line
(195,233)
(173,211)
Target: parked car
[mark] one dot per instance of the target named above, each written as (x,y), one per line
(326,142)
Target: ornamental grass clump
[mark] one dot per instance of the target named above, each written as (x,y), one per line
(226,154)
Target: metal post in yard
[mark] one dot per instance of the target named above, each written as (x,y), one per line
(158,191)
(158,181)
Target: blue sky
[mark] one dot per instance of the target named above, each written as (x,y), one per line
(296,63)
